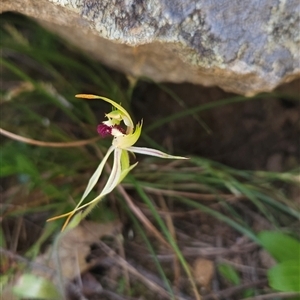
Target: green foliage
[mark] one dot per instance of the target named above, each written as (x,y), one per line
(281,246)
(2,239)
(33,287)
(285,276)
(228,272)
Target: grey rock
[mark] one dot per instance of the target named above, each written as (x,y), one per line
(244,47)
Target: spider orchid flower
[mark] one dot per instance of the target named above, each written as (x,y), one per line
(122,144)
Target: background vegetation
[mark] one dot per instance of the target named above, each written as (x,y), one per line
(175,215)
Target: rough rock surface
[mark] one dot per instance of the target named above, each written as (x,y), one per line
(242,47)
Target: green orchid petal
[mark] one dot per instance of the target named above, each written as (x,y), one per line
(115,115)
(127,140)
(153,152)
(125,165)
(125,115)
(126,171)
(125,162)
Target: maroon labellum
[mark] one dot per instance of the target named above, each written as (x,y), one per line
(104,130)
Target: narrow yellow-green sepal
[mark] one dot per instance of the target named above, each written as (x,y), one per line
(95,177)
(126,117)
